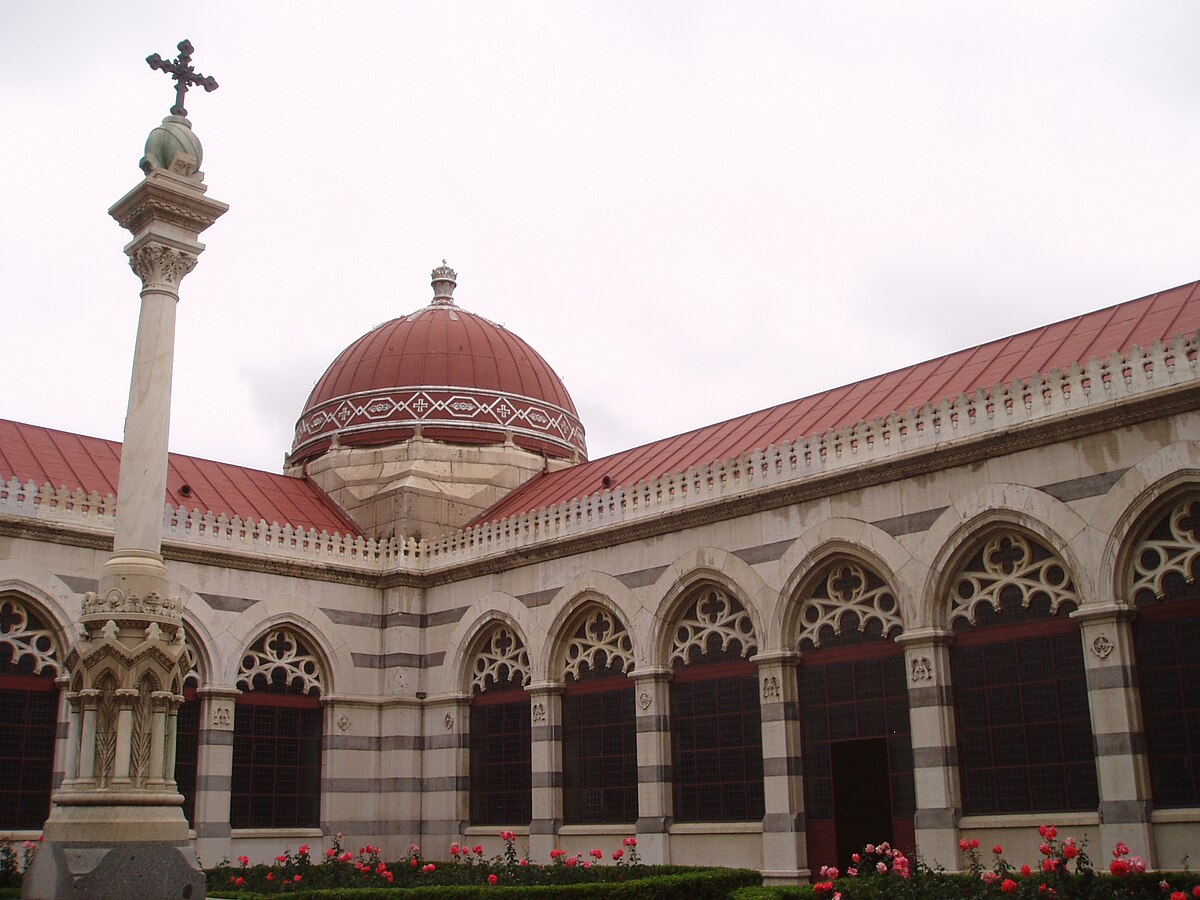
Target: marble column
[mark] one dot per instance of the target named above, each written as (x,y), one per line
(1122,767)
(652,688)
(785,857)
(545,712)
(934,744)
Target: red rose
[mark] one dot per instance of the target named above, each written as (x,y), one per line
(493,878)
(1119,867)
(997,849)
(1008,886)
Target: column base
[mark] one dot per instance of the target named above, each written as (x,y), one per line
(127,870)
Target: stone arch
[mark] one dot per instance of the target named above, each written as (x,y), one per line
(1125,510)
(494,607)
(962,527)
(202,646)
(694,568)
(855,540)
(325,639)
(588,589)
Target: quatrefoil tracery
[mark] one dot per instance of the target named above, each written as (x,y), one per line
(501,660)
(850,597)
(600,642)
(1010,565)
(713,617)
(280,657)
(1170,551)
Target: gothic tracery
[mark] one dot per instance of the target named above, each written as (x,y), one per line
(601,641)
(27,643)
(280,657)
(501,659)
(850,598)
(1168,553)
(714,620)
(1010,568)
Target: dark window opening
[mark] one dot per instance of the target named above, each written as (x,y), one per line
(501,759)
(716,742)
(276,761)
(599,750)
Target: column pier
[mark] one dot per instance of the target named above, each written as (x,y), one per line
(214,771)
(1122,767)
(934,744)
(785,851)
(545,712)
(652,688)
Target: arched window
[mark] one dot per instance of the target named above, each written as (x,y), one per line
(1020,692)
(28,714)
(1166,562)
(501,732)
(599,724)
(277,735)
(187,735)
(716,724)
(858,764)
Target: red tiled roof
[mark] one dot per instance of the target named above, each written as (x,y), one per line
(60,458)
(1139,322)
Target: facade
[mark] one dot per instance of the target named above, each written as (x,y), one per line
(956,599)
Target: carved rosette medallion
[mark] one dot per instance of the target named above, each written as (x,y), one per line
(644,700)
(1102,646)
(160,267)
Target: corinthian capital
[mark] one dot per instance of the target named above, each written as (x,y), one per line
(160,267)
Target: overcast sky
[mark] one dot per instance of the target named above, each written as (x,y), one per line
(692,210)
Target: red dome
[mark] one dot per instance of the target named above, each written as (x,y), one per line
(455,375)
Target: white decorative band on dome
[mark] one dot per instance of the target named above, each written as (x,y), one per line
(469,409)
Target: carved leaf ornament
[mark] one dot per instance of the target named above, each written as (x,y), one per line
(280,659)
(501,660)
(1165,560)
(850,601)
(715,622)
(600,643)
(26,644)
(1011,569)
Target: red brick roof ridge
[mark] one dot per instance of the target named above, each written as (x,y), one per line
(536,489)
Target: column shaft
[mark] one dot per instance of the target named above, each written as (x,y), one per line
(545,710)
(1122,767)
(934,743)
(785,857)
(655,803)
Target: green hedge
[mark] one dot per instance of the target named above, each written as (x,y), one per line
(928,885)
(698,884)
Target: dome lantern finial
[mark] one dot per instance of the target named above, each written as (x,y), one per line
(443,285)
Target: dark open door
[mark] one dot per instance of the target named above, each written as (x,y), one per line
(862,798)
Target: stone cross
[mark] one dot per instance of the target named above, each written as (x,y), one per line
(183,73)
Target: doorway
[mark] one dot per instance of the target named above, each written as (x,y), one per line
(862,797)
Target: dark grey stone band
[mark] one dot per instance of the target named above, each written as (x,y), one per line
(781,823)
(774,766)
(938,695)
(934,757)
(1124,812)
(646,724)
(946,817)
(653,774)
(1121,743)
(210,738)
(1109,677)
(546,780)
